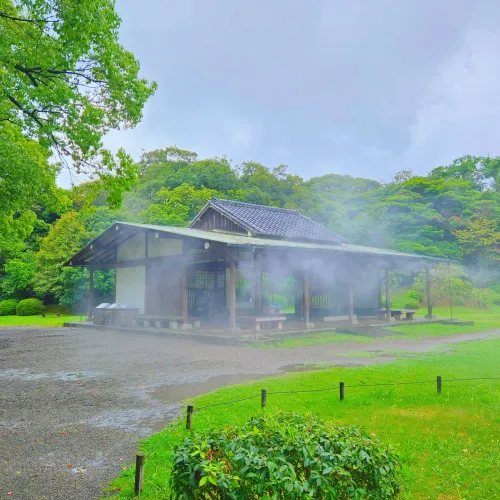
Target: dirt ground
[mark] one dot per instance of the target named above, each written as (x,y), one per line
(74,402)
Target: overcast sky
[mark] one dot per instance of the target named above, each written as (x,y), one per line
(365,88)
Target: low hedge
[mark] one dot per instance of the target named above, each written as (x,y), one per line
(29,307)
(284,455)
(8,307)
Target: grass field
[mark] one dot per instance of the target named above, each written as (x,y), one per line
(484,319)
(449,443)
(50,320)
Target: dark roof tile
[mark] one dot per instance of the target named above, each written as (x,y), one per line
(275,222)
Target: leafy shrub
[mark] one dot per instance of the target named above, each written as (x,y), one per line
(284,455)
(485,297)
(8,307)
(29,307)
(280,300)
(414,295)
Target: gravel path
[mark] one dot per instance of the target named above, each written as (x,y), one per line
(74,403)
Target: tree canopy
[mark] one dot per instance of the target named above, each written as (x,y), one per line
(65,81)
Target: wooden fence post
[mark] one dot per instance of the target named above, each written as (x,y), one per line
(341,391)
(139,473)
(263,398)
(189,417)
(438,381)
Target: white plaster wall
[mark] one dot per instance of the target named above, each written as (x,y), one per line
(131,286)
(133,248)
(163,247)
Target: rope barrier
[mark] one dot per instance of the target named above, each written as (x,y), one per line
(226,403)
(163,439)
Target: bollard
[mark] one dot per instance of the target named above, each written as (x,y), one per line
(139,473)
(263,398)
(189,417)
(341,391)
(438,381)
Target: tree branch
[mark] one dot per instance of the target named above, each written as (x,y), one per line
(24,20)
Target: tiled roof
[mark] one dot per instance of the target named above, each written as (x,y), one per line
(275,222)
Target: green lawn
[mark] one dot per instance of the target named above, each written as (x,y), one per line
(50,320)
(313,339)
(484,319)
(449,444)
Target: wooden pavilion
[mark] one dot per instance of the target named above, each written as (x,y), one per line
(217,271)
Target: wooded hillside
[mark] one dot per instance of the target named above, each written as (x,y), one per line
(453,212)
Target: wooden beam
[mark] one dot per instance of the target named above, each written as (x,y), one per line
(232,289)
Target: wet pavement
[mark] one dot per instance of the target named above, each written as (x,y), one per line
(74,402)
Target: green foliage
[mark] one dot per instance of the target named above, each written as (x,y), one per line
(8,307)
(485,297)
(68,235)
(67,81)
(284,455)
(29,307)
(280,300)
(18,280)
(444,284)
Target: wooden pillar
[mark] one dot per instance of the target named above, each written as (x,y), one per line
(256,287)
(388,294)
(379,291)
(299,296)
(429,292)
(184,288)
(350,302)
(91,294)
(307,318)
(232,290)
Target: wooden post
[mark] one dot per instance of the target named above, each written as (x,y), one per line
(388,294)
(429,292)
(257,287)
(139,473)
(341,391)
(299,296)
(438,382)
(189,417)
(184,288)
(306,301)
(232,290)
(263,398)
(350,301)
(91,294)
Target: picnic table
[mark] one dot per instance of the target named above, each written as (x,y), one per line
(157,321)
(397,313)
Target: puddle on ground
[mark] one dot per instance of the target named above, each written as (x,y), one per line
(180,392)
(32,376)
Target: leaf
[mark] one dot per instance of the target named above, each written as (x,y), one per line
(203,481)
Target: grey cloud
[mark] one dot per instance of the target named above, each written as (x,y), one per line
(357,87)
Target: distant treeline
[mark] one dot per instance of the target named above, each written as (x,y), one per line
(453,212)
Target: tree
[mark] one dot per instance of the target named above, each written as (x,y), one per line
(66,81)
(68,235)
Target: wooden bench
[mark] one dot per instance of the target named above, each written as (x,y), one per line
(156,321)
(397,313)
(258,320)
